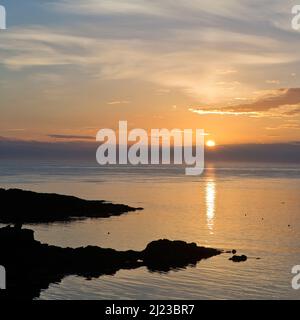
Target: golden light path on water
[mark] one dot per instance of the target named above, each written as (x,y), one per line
(210,194)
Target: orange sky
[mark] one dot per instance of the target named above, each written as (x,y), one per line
(80,66)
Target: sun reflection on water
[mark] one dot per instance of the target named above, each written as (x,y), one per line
(210,194)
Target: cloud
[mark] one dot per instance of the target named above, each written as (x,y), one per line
(71,137)
(192,59)
(285,126)
(277,152)
(118,102)
(37,46)
(273,81)
(14,130)
(224,113)
(191,45)
(281,102)
(232,9)
(273,100)
(104,7)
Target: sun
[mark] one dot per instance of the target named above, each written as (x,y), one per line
(210,143)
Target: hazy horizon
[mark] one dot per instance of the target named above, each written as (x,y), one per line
(86,150)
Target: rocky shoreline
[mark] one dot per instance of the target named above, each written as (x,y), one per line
(32,266)
(31,207)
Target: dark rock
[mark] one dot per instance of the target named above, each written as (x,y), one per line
(32,266)
(16,236)
(164,254)
(233,251)
(236,258)
(19,206)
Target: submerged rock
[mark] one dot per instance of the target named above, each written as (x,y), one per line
(32,207)
(236,258)
(32,266)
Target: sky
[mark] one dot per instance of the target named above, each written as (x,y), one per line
(69,68)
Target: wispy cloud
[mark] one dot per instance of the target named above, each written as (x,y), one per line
(118,102)
(224,113)
(14,130)
(175,60)
(273,81)
(285,126)
(119,7)
(71,137)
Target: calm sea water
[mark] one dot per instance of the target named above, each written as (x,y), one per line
(246,207)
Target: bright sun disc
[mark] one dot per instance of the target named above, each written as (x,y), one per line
(210,143)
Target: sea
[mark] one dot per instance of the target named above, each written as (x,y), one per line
(253,208)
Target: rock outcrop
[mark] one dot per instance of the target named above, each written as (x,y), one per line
(21,206)
(237,258)
(32,266)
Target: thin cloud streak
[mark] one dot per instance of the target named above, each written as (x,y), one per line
(118,102)
(71,137)
(226,113)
